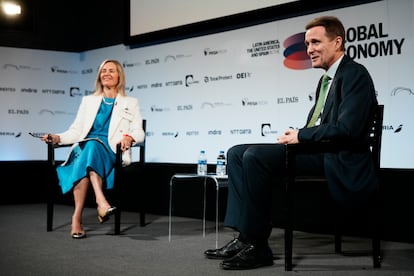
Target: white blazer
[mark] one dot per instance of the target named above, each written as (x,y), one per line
(125,119)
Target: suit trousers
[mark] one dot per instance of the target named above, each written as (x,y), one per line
(253,169)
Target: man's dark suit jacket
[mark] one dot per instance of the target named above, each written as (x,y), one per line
(347,112)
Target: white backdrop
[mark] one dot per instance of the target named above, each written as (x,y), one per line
(176,13)
(215,91)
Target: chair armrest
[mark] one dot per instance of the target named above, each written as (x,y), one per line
(325,147)
(51,151)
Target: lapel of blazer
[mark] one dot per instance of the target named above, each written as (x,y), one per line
(116,115)
(318,88)
(329,100)
(92,111)
(332,90)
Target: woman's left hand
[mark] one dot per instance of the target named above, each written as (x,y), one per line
(126,142)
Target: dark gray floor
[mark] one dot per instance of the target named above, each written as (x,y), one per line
(27,249)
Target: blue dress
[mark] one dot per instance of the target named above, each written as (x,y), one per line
(92,154)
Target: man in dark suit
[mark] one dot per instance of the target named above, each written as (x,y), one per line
(254,168)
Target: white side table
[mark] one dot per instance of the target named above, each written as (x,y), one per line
(219,181)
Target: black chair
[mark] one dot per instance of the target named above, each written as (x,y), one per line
(117,192)
(374,140)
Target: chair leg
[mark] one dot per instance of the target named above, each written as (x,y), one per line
(377,231)
(117,226)
(288,232)
(49,217)
(50,198)
(376,243)
(288,248)
(288,218)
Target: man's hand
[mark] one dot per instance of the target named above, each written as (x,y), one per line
(289,137)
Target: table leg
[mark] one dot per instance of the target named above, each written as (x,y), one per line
(170,211)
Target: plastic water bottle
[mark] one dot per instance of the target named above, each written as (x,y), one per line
(202,163)
(221,164)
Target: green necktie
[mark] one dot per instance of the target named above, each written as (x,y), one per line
(321,101)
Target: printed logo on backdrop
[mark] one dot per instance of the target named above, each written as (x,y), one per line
(56,69)
(192,133)
(8,89)
(243,75)
(156,85)
(185,107)
(149,133)
(127,64)
(170,134)
(266,130)
(208,79)
(155,108)
(174,83)
(399,92)
(29,90)
(50,91)
(264,48)
(214,132)
(75,92)
(311,96)
(288,100)
(11,66)
(87,71)
(394,129)
(18,111)
(398,129)
(189,80)
(295,53)
(129,89)
(214,104)
(36,133)
(152,61)
(247,102)
(142,86)
(19,67)
(170,58)
(369,41)
(211,52)
(54,112)
(10,133)
(241,131)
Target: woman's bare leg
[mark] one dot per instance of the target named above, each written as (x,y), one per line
(79,194)
(101,201)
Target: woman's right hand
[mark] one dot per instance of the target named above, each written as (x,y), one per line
(51,138)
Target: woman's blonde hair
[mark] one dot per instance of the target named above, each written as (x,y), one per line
(120,87)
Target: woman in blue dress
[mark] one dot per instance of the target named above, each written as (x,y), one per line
(104,119)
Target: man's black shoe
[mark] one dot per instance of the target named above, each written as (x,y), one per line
(249,258)
(227,251)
